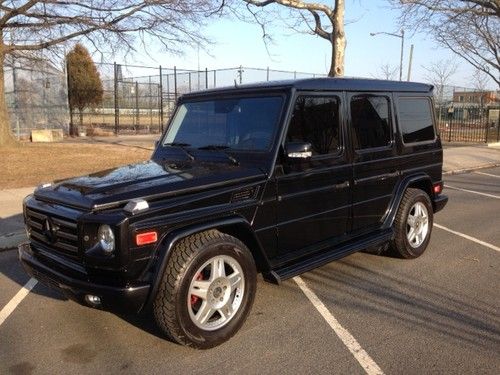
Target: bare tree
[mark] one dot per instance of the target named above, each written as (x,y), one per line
(387,71)
(480,80)
(439,74)
(469,28)
(322,20)
(27,26)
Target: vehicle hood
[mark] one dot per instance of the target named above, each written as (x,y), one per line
(151,179)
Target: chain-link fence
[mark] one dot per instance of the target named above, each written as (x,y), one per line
(467,115)
(140,99)
(136,99)
(37,98)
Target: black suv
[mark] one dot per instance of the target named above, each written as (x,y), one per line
(277,178)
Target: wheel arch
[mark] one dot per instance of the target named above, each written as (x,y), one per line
(420,181)
(235,226)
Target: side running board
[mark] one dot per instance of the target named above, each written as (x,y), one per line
(280,274)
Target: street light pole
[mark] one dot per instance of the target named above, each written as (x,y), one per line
(402,36)
(402,55)
(410,61)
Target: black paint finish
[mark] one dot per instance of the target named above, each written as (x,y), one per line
(293,214)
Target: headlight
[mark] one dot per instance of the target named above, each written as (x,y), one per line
(106,238)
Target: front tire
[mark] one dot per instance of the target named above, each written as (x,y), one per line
(413,224)
(207,290)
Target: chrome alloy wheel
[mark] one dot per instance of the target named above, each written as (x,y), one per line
(417,225)
(216,292)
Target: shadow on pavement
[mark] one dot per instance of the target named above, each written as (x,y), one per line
(11,224)
(414,303)
(11,268)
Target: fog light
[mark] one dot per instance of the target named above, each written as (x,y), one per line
(92,300)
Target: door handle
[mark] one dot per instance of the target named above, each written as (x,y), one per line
(342,185)
(390,175)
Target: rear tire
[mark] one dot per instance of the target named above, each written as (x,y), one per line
(207,290)
(413,224)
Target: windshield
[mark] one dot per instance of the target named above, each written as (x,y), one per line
(237,123)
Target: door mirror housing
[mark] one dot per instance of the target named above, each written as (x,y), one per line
(298,150)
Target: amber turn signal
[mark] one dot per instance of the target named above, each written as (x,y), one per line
(146,238)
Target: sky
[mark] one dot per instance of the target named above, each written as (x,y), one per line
(237,43)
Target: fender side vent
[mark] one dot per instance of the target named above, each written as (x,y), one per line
(245,194)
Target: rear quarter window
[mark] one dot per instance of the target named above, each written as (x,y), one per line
(415,120)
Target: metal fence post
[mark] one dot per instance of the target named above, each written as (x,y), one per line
(215,78)
(16,102)
(449,133)
(137,106)
(189,75)
(117,110)
(161,99)
(485,119)
(175,84)
(68,84)
(498,126)
(168,91)
(150,105)
(267,73)
(206,78)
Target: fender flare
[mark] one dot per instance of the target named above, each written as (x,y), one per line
(168,241)
(398,196)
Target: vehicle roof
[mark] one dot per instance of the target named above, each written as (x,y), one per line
(325,84)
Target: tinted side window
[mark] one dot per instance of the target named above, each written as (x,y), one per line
(370,121)
(415,120)
(316,120)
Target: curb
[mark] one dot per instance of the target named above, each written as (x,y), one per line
(11,240)
(472,169)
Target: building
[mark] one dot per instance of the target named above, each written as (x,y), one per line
(486,98)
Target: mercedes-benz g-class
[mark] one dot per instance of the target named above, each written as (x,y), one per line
(277,178)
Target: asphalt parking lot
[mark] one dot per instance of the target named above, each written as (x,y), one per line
(439,313)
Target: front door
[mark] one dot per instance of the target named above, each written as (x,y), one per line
(313,194)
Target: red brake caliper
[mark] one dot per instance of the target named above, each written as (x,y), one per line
(194,298)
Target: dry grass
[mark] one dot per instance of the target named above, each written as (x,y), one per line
(32,164)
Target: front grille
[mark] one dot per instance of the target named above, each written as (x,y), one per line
(54,232)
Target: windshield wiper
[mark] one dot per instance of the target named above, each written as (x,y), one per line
(222,148)
(182,146)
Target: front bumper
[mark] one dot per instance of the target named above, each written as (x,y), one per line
(129,299)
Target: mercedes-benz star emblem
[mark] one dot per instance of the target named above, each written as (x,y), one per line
(50,230)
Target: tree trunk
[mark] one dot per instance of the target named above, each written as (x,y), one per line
(71,129)
(6,137)
(338,41)
(80,126)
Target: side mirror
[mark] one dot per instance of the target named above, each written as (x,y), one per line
(298,150)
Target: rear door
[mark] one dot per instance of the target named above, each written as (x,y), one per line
(313,194)
(375,163)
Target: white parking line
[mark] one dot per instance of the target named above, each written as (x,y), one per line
(349,341)
(11,306)
(470,238)
(487,174)
(472,191)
